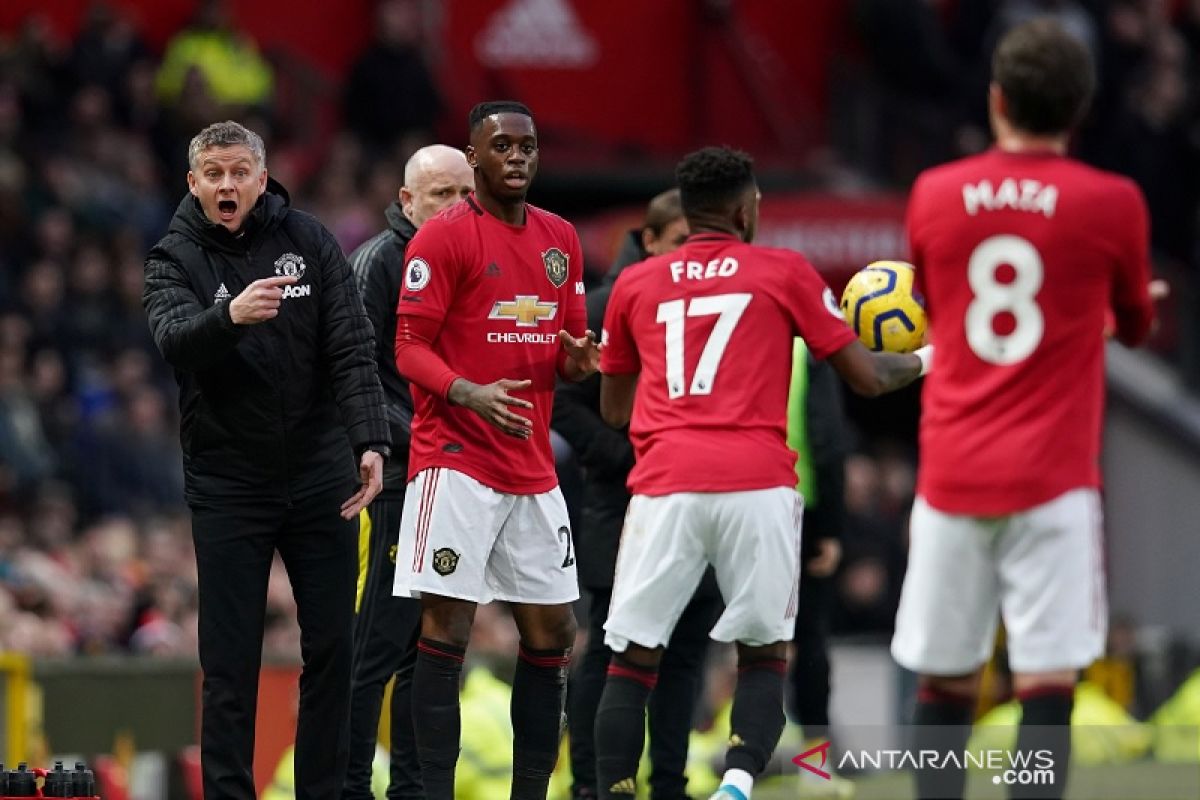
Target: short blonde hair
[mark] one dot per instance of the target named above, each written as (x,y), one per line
(226,134)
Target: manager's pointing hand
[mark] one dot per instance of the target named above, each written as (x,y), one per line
(259,301)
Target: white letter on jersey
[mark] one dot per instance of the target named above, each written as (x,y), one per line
(976,196)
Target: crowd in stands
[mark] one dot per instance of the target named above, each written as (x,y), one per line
(95,551)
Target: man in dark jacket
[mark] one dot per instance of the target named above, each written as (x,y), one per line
(255,307)
(386,628)
(606,457)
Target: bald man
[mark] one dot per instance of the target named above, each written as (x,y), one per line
(386,627)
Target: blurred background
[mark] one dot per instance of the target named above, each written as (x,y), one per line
(841,102)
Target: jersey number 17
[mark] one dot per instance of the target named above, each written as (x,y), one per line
(673,314)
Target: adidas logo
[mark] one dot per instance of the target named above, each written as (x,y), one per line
(536,33)
(626,786)
(493,270)
(221,295)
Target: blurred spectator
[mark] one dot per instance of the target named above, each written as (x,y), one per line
(868,581)
(385,118)
(226,60)
(106,47)
(916,101)
(25,455)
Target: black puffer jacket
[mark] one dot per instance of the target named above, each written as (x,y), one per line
(378,266)
(276,410)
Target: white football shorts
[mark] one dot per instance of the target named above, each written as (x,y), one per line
(460,538)
(752,539)
(1042,569)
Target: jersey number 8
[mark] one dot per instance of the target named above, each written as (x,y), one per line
(992,298)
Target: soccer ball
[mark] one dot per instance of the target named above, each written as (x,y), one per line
(880,305)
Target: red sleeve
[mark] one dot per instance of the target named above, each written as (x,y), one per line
(575,312)
(815,311)
(619,355)
(416,359)
(575,321)
(430,274)
(1133,310)
(915,256)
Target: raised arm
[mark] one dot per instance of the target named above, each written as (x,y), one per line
(190,336)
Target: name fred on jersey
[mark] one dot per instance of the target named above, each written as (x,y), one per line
(697,271)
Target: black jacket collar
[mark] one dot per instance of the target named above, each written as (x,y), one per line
(401,225)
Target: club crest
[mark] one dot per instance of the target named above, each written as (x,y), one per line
(445,561)
(556,266)
(290,265)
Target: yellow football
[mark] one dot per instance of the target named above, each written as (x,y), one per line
(879,303)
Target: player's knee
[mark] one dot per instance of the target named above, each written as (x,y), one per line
(559,632)
(449,624)
(748,654)
(546,627)
(1025,682)
(634,655)
(955,686)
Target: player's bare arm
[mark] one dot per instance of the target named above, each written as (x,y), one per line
(492,402)
(872,374)
(616,398)
(583,355)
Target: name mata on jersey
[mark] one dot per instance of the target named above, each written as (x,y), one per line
(525,310)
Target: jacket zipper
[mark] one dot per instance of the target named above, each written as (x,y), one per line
(279,388)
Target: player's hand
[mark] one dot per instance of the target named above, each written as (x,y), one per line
(494,403)
(825,562)
(1159,289)
(583,352)
(259,301)
(370,472)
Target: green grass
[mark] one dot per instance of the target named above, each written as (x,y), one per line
(1138,781)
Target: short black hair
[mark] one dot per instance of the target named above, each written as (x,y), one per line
(711,179)
(489,107)
(1046,76)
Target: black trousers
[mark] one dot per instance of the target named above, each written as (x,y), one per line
(386,630)
(235,544)
(672,703)
(808,674)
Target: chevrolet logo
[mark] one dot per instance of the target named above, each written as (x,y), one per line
(527,310)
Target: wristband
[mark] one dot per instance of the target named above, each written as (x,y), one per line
(925,354)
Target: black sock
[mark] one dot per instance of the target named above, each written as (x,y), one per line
(621,727)
(1045,736)
(436,720)
(539,691)
(756,720)
(943,723)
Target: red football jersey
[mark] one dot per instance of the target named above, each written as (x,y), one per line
(1020,256)
(710,328)
(501,293)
